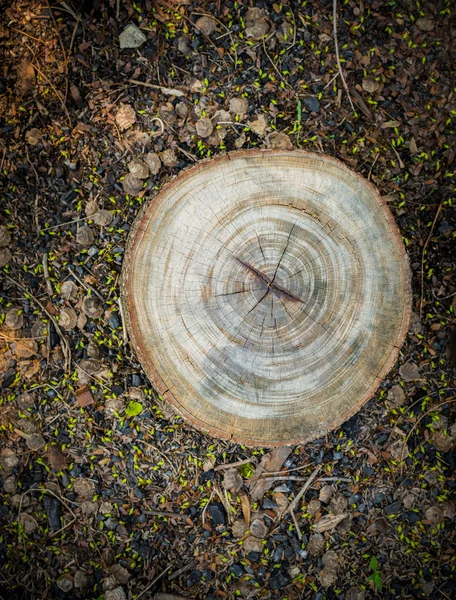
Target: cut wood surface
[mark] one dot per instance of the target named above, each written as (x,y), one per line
(266,294)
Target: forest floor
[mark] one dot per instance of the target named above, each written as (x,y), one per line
(104,492)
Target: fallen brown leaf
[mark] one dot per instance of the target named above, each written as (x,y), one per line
(328,522)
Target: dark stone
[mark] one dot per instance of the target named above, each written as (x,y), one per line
(236,569)
(217,513)
(279,580)
(136,380)
(368,470)
(139,493)
(268,504)
(411,516)
(351,427)
(393,508)
(207,476)
(75,471)
(53,510)
(277,556)
(312,104)
(114,321)
(379,498)
(194,577)
(253,556)
(54,338)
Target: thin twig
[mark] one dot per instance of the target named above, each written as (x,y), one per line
(296,524)
(303,490)
(176,574)
(373,165)
(18,341)
(424,252)
(67,223)
(122,319)
(431,410)
(164,513)
(203,514)
(336,44)
(274,66)
(65,58)
(85,285)
(63,340)
(238,463)
(159,576)
(408,408)
(57,93)
(161,88)
(294,478)
(47,279)
(3,159)
(284,471)
(32,37)
(187,154)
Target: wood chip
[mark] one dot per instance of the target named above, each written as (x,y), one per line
(84,396)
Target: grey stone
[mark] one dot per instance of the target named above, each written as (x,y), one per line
(312,104)
(131,37)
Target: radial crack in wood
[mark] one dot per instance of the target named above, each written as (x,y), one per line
(266,294)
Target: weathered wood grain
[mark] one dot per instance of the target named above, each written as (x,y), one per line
(267,294)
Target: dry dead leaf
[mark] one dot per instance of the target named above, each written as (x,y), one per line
(396,397)
(206,25)
(282,502)
(125,117)
(204,127)
(85,237)
(138,169)
(132,185)
(14,318)
(370,85)
(68,318)
(29,368)
(259,125)
(326,493)
(239,106)
(328,522)
(390,124)
(409,372)
(56,458)
(258,528)
(269,463)
(5,236)
(232,481)
(33,136)
(5,256)
(278,141)
(25,82)
(24,348)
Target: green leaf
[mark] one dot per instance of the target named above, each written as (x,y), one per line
(133,409)
(247,471)
(371,577)
(373,563)
(378,581)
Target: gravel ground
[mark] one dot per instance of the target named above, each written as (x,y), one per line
(104,492)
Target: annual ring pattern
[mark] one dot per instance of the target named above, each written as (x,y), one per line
(266,294)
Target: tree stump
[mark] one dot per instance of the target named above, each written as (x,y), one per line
(266,294)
